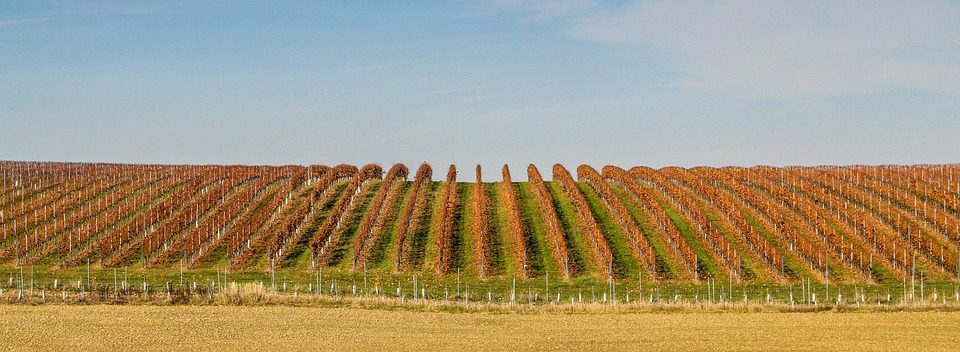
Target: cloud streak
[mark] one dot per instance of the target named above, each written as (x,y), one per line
(544,10)
(13,22)
(783,49)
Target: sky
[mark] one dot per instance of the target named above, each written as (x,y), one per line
(487,82)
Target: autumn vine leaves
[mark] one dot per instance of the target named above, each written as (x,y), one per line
(777,224)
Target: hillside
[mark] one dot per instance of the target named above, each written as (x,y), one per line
(763,224)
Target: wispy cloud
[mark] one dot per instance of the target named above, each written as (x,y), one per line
(381,66)
(454,90)
(13,22)
(115,8)
(546,9)
(825,48)
(90,9)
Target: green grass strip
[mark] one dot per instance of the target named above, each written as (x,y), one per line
(499,244)
(667,266)
(706,265)
(581,256)
(538,251)
(624,265)
(383,251)
(343,251)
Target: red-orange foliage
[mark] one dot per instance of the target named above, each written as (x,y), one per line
(852,217)
(413,210)
(588,224)
(479,227)
(372,225)
(555,239)
(446,223)
(718,246)
(328,235)
(173,226)
(639,246)
(645,197)
(729,215)
(508,197)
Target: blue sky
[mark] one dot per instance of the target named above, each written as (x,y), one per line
(490,82)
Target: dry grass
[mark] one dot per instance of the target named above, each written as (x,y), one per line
(104,327)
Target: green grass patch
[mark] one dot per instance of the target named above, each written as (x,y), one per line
(706,265)
(791,268)
(100,282)
(751,267)
(624,265)
(461,240)
(582,260)
(300,255)
(666,265)
(422,250)
(343,252)
(538,251)
(879,273)
(219,255)
(383,250)
(498,241)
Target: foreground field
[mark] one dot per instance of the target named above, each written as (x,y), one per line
(105,327)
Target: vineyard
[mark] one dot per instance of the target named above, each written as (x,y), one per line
(851,224)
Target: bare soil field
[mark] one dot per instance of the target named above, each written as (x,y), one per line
(106,327)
